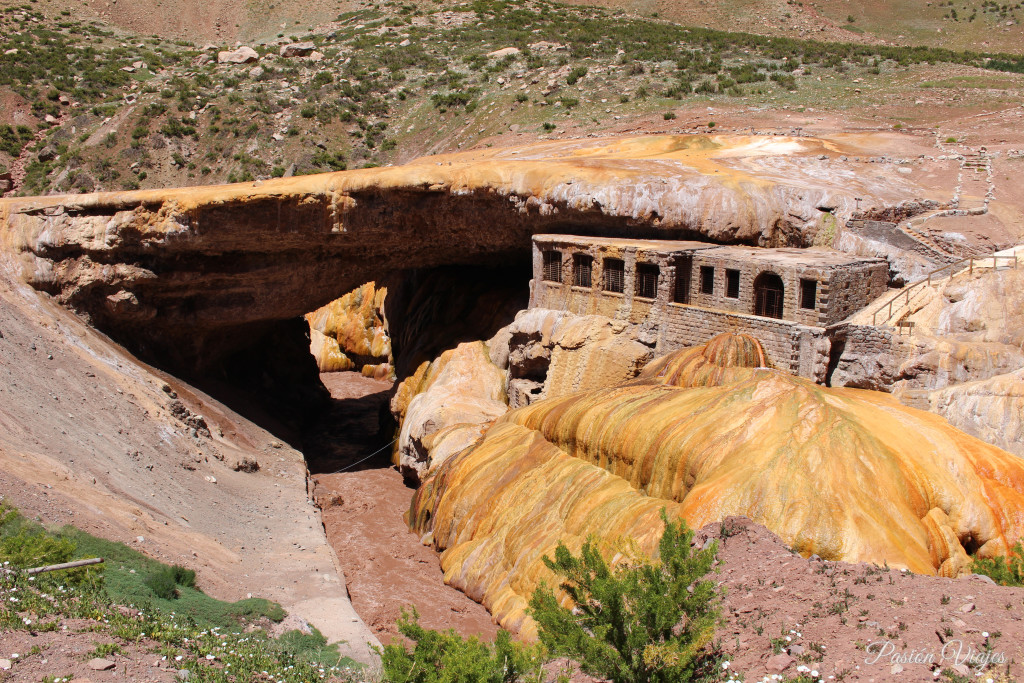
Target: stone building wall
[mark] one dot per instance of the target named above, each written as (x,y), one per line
(850,289)
(798,343)
(749,271)
(800,349)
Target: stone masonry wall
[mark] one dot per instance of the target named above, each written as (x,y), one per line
(849,289)
(749,271)
(790,346)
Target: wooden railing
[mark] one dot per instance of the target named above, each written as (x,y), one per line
(905,292)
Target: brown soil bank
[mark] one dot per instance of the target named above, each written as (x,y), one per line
(857,622)
(91,437)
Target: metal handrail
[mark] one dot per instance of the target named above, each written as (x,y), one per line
(905,292)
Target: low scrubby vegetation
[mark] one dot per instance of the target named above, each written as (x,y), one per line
(393,81)
(132,600)
(1006,571)
(642,621)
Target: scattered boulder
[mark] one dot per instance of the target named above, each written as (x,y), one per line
(297,49)
(196,422)
(504,52)
(247,465)
(242,55)
(100,664)
(47,153)
(779,663)
(256,72)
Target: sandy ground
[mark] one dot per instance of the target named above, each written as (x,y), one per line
(88,437)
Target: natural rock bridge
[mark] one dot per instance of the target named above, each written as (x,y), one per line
(187,274)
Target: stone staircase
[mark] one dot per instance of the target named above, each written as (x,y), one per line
(898,308)
(975,188)
(935,249)
(974,181)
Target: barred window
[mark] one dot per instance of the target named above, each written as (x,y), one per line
(553,266)
(614,275)
(808,293)
(582,267)
(646,280)
(684,268)
(732,283)
(707,280)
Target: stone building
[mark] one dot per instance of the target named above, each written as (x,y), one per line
(687,292)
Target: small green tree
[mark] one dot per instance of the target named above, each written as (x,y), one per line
(445,657)
(1006,571)
(643,622)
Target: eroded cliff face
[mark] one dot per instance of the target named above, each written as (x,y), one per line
(190,274)
(351,333)
(554,353)
(707,433)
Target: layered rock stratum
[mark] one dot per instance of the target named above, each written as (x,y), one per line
(706,433)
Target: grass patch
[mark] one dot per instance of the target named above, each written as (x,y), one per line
(215,641)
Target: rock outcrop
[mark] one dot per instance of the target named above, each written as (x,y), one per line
(241,55)
(991,409)
(962,360)
(191,273)
(445,406)
(351,333)
(555,353)
(706,433)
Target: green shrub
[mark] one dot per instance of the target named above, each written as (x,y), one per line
(445,657)
(33,548)
(641,622)
(669,115)
(576,74)
(175,128)
(1006,571)
(163,586)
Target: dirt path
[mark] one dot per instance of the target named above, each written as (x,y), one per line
(386,566)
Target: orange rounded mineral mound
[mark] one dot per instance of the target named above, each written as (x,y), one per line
(843,473)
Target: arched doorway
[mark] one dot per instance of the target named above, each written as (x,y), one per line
(768,295)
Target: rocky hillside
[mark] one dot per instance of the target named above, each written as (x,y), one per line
(87,105)
(977,25)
